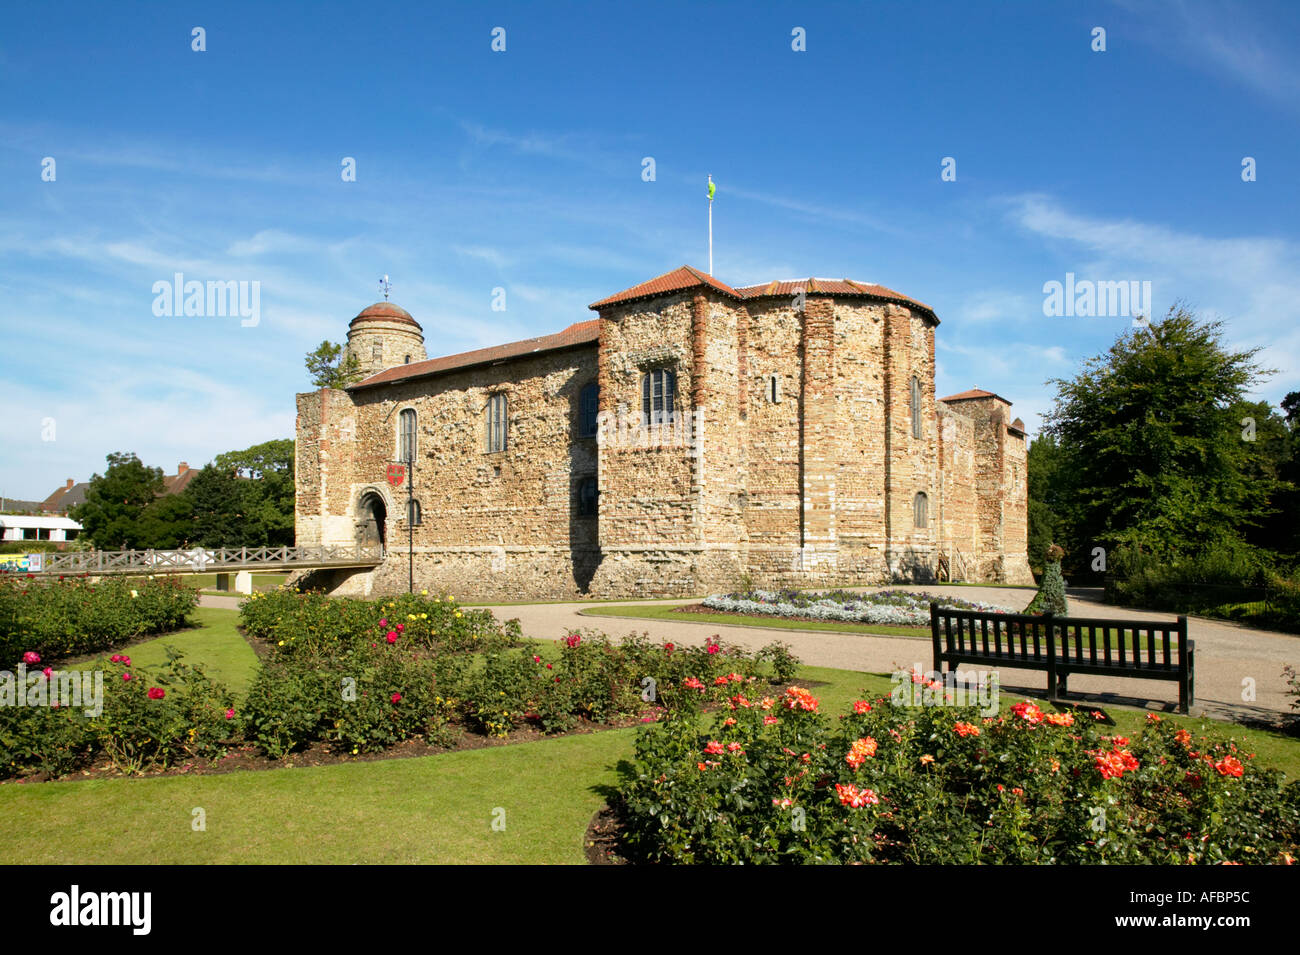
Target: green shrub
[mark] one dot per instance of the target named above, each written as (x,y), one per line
(60,618)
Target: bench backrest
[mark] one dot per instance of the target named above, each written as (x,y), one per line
(1118,644)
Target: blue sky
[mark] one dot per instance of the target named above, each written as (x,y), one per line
(523,170)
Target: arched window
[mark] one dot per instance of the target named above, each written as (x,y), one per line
(921,510)
(588,495)
(413,514)
(774,389)
(658,396)
(494,423)
(916,407)
(406,435)
(588,402)
(377,351)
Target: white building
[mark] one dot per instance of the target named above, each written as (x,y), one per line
(37,527)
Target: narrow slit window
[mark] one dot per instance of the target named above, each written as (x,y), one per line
(406,436)
(921,510)
(494,420)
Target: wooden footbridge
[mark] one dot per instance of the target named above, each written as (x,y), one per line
(222,561)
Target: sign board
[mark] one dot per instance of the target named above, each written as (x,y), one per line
(35,563)
(396,474)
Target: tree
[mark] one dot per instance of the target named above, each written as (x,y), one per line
(330,367)
(1044,482)
(116,501)
(246,498)
(1152,453)
(167,523)
(216,500)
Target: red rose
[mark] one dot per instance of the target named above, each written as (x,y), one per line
(396,698)
(156,693)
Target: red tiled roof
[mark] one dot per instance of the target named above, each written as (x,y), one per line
(816,286)
(674,281)
(687,277)
(581,333)
(972,394)
(385,312)
(175,483)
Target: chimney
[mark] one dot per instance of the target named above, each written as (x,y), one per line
(181,468)
(68,486)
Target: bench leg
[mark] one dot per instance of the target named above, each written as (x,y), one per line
(1061,680)
(1186,688)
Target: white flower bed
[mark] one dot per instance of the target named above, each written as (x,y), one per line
(902,610)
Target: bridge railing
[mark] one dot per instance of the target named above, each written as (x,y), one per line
(203,559)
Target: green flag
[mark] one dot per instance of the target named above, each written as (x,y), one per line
(712,188)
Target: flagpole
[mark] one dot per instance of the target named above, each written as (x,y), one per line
(710,224)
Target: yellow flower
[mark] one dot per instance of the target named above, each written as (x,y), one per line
(424,616)
(458,613)
(280,644)
(424,593)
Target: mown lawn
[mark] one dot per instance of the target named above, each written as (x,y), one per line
(215,643)
(436,809)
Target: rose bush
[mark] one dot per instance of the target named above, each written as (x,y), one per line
(151,718)
(775,781)
(59,618)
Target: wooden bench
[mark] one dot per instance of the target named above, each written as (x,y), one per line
(1145,649)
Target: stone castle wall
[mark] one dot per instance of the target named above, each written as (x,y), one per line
(813,485)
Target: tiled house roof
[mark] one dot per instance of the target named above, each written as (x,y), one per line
(581,333)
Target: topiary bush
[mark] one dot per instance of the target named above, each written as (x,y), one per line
(1051,590)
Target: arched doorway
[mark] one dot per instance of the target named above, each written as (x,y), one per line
(372,515)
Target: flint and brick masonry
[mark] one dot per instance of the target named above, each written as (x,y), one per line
(693,438)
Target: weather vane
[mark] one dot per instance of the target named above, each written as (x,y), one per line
(384,286)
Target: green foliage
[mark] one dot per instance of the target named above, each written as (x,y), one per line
(1152,453)
(1048,504)
(329,367)
(942,785)
(69,617)
(1229,580)
(112,514)
(245,498)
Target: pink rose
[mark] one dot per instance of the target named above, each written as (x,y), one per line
(230,713)
(126,676)
(31,657)
(392,636)
(156,693)
(383,622)
(400,627)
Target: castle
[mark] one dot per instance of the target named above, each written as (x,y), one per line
(692,438)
